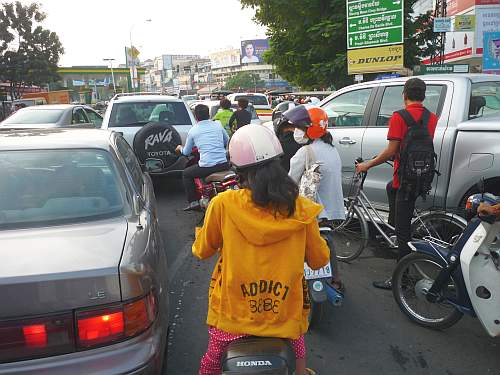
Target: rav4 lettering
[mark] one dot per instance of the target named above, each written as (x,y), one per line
(153,139)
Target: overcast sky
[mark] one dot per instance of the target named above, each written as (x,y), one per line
(91,30)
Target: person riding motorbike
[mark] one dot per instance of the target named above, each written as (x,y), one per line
(311,131)
(224,114)
(262,234)
(211,140)
(284,131)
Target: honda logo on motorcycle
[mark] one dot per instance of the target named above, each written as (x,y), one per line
(253,363)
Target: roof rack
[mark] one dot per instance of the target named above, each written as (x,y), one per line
(137,93)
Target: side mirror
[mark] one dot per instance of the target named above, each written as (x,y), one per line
(277,114)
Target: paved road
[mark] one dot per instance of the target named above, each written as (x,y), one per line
(367,335)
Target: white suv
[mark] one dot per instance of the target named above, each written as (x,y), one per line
(127,113)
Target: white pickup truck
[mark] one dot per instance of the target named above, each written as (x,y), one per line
(467,138)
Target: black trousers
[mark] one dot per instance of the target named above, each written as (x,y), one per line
(189,174)
(401,208)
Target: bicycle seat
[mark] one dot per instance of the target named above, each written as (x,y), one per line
(220,176)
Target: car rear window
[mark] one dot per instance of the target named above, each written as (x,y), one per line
(254,99)
(35,116)
(485,99)
(53,187)
(137,114)
(234,107)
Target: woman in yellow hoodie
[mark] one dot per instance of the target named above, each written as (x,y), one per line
(262,234)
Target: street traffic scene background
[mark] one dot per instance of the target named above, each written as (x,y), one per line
(250,186)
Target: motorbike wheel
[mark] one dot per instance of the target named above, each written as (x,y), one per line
(413,276)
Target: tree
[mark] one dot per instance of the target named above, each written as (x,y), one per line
(29,54)
(308,39)
(245,80)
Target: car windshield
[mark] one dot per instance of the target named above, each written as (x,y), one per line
(53,187)
(234,107)
(137,114)
(254,99)
(35,116)
(485,99)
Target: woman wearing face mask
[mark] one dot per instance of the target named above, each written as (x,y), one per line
(311,131)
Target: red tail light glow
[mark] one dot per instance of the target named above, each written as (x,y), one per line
(35,335)
(109,325)
(98,327)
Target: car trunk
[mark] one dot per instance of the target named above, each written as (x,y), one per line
(60,268)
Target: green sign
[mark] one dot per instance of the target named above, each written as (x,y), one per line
(373,23)
(443,69)
(356,8)
(375,38)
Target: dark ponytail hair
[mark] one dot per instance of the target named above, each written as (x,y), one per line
(327,138)
(271,187)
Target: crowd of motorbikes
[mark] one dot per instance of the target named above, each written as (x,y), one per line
(434,286)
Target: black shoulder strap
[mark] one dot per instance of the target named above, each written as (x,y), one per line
(426,117)
(407,117)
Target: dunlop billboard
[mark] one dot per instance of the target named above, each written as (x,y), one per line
(375,59)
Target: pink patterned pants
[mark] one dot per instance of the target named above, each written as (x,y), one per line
(219,340)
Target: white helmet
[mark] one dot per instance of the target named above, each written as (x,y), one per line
(252,145)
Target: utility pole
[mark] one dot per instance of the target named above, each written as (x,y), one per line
(440,39)
(133,69)
(112,74)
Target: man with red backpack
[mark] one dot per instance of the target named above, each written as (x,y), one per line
(410,135)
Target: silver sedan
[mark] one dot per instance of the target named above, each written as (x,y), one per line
(83,274)
(54,115)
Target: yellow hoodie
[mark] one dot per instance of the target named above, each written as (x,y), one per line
(258,285)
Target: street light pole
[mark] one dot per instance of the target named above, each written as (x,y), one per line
(132,62)
(112,74)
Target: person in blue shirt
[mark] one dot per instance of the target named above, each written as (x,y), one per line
(211,140)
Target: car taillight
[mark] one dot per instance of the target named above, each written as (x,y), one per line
(36,337)
(53,335)
(99,327)
(139,315)
(108,325)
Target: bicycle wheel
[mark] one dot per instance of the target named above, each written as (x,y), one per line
(350,236)
(440,225)
(413,276)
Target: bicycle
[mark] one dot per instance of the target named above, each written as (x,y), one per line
(352,234)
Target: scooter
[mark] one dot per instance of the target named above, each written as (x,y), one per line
(267,355)
(321,291)
(208,187)
(438,283)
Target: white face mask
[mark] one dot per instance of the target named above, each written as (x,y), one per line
(300,136)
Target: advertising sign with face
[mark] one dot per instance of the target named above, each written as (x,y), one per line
(252,50)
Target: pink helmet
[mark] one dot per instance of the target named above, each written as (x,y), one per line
(252,145)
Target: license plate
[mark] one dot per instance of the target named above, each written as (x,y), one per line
(323,272)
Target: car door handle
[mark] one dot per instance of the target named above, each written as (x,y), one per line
(347,141)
